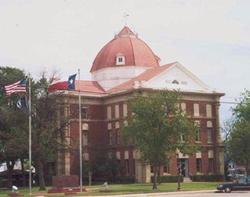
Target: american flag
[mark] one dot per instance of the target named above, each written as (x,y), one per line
(19,86)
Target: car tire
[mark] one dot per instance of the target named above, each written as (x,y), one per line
(227,190)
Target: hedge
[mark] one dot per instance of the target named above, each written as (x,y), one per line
(207,178)
(167,179)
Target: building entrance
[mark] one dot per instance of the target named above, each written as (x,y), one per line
(182,165)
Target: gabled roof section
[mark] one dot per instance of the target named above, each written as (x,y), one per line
(145,76)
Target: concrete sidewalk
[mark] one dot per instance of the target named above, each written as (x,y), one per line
(160,193)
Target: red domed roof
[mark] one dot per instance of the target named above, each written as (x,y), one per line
(127,44)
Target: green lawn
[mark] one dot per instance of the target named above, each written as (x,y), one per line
(132,188)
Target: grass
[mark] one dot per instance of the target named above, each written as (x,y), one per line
(128,189)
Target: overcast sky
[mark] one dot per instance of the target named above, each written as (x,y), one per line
(210,38)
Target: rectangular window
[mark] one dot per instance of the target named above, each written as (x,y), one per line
(125,110)
(183,107)
(211,165)
(209,110)
(182,138)
(197,135)
(74,111)
(62,114)
(118,137)
(196,110)
(209,135)
(166,168)
(117,114)
(85,137)
(109,112)
(110,136)
(151,169)
(198,165)
(84,113)
(127,167)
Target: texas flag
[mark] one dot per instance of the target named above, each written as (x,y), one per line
(71,82)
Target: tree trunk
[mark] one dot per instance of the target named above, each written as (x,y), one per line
(41,175)
(155,177)
(23,173)
(10,166)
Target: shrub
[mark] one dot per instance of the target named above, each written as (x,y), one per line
(168,179)
(208,178)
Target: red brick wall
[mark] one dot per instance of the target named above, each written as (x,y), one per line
(98,134)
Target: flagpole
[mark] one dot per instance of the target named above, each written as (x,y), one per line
(80,130)
(30,169)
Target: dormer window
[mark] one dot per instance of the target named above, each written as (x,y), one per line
(120,59)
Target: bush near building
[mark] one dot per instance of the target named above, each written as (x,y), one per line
(168,179)
(207,178)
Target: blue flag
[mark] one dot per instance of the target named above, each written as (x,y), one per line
(71,82)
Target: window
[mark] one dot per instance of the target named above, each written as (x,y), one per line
(209,135)
(85,126)
(110,136)
(208,110)
(117,114)
(127,169)
(74,111)
(197,135)
(85,156)
(151,169)
(85,137)
(183,107)
(109,112)
(118,155)
(166,168)
(118,136)
(120,60)
(125,110)
(84,113)
(209,132)
(211,165)
(196,109)
(62,114)
(198,165)
(182,138)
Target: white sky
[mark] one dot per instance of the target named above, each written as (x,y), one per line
(210,38)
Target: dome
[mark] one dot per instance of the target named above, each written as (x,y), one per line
(128,46)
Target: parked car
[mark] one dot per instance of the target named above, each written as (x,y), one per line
(243,183)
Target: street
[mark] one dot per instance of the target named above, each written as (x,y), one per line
(191,194)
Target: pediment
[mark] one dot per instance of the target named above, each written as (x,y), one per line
(179,78)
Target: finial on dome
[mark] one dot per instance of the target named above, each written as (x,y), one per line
(125,17)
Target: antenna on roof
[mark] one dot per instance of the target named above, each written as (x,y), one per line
(125,18)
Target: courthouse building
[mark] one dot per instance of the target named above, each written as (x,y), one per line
(122,67)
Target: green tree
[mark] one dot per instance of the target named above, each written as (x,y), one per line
(156,128)
(48,126)
(239,136)
(13,123)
